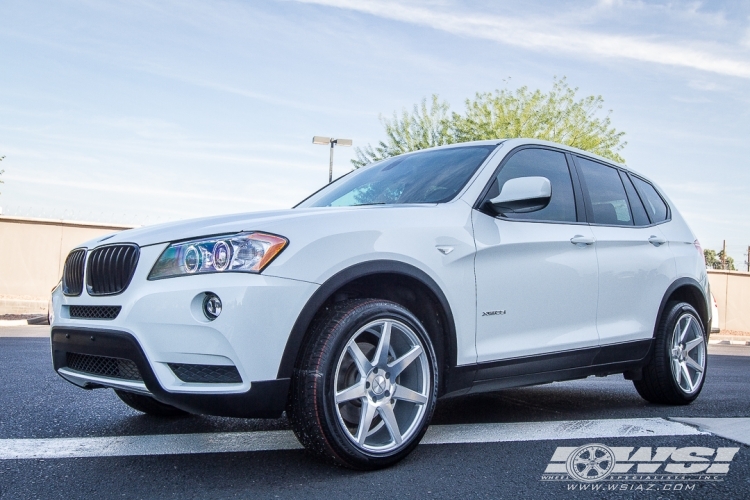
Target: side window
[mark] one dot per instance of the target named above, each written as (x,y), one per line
(639,213)
(655,206)
(606,194)
(542,163)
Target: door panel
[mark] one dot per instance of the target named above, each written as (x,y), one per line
(634,274)
(635,263)
(546,286)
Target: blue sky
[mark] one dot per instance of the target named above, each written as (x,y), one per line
(140,112)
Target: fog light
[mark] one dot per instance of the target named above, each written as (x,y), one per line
(211,306)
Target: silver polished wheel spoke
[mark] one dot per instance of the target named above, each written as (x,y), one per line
(686,374)
(685,329)
(381,354)
(689,346)
(382,385)
(693,364)
(401,363)
(354,392)
(677,370)
(386,413)
(365,421)
(363,364)
(403,394)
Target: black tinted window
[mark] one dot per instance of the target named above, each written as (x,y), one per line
(542,163)
(606,194)
(426,177)
(639,213)
(655,206)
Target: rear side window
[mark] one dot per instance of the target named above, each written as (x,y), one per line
(606,194)
(542,163)
(639,213)
(655,206)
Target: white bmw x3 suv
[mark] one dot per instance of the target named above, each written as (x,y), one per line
(455,270)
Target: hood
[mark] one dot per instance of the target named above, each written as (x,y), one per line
(208,226)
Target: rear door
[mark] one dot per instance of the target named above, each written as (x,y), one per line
(635,264)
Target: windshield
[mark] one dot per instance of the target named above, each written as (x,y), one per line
(426,177)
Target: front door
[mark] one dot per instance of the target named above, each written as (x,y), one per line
(536,273)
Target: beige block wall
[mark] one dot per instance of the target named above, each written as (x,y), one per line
(732,292)
(32,255)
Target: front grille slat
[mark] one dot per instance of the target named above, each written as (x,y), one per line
(94,312)
(72,282)
(109,283)
(206,374)
(119,264)
(111,269)
(103,366)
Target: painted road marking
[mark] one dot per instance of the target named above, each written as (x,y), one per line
(229,442)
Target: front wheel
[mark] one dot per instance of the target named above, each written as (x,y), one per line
(677,369)
(366,387)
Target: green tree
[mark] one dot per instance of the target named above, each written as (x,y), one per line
(713,260)
(557,116)
(422,128)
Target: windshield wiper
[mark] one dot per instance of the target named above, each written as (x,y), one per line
(365,204)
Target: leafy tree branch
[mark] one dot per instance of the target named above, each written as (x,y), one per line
(558,116)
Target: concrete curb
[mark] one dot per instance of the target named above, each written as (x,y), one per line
(719,339)
(41,320)
(729,342)
(13,322)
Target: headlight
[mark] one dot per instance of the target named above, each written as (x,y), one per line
(244,252)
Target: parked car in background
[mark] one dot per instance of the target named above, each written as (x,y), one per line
(455,270)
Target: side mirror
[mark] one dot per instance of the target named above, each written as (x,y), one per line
(523,195)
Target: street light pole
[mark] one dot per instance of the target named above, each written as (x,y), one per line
(333,142)
(330,164)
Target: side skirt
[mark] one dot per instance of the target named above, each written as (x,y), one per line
(546,368)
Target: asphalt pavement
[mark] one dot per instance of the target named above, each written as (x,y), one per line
(506,442)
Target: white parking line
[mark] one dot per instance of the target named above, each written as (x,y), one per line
(228,442)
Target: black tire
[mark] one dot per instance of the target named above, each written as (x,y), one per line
(148,405)
(327,369)
(659,383)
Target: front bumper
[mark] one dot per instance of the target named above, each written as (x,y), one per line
(159,325)
(264,399)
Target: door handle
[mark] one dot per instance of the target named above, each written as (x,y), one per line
(581,240)
(657,240)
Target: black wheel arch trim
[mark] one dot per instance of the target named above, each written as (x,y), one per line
(705,313)
(348,275)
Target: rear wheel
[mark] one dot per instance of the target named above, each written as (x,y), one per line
(676,372)
(148,405)
(367,385)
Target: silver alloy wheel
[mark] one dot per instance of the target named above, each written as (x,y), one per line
(382,385)
(688,355)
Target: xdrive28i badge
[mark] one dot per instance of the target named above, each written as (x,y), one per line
(493,313)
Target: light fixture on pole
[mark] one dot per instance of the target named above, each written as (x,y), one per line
(333,142)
